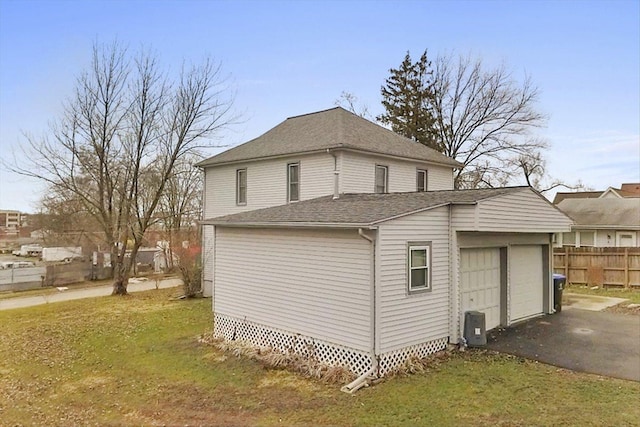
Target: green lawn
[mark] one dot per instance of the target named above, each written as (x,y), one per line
(136,361)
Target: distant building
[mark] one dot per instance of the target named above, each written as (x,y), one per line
(10,222)
(609,218)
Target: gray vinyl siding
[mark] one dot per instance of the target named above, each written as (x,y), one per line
(405,319)
(315,283)
(523,211)
(357,174)
(266,183)
(465,217)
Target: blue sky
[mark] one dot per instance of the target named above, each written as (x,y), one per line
(289,58)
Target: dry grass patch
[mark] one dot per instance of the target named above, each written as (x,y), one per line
(116,361)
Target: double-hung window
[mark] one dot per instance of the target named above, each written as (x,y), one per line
(382,179)
(293,182)
(241,186)
(421,180)
(419,267)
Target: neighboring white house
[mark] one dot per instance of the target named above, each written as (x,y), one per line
(609,218)
(321,239)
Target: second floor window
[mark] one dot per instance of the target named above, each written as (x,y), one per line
(421,180)
(241,186)
(381,179)
(293,182)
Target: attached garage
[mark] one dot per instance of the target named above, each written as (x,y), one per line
(507,282)
(480,283)
(526,284)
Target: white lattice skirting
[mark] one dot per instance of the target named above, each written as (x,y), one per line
(393,359)
(356,361)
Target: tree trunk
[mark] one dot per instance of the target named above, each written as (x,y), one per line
(121,275)
(120,286)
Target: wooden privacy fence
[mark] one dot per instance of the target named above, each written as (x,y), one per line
(607,267)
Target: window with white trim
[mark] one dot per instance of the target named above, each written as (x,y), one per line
(587,238)
(382,179)
(419,267)
(421,180)
(293,182)
(241,186)
(569,239)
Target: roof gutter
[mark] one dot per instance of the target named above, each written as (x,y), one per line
(287,224)
(204,164)
(451,162)
(604,227)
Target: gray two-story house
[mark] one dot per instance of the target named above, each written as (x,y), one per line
(336,238)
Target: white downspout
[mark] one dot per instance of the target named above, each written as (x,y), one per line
(336,175)
(362,380)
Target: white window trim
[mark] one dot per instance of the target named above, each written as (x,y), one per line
(238,201)
(411,246)
(426,179)
(386,179)
(621,233)
(580,243)
(289,166)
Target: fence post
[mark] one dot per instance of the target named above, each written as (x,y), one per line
(566,264)
(626,268)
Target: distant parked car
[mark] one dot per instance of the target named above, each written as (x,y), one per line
(16,264)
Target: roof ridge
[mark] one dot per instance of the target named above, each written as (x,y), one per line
(316,112)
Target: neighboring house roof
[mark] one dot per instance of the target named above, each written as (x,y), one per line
(577,195)
(358,209)
(628,189)
(603,213)
(336,128)
(615,191)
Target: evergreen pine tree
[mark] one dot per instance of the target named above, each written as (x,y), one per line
(406,97)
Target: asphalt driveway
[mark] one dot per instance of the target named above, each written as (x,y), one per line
(588,341)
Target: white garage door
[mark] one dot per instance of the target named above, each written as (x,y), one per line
(480,283)
(525,266)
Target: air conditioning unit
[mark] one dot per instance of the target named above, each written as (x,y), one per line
(475,332)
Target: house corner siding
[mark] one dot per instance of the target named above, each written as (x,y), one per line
(421,320)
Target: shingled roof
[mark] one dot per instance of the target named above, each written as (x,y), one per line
(357,209)
(608,212)
(336,128)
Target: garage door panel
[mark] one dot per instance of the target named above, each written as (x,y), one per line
(480,283)
(526,281)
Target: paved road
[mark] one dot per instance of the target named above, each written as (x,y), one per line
(72,294)
(597,342)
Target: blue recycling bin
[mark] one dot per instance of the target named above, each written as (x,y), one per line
(559,280)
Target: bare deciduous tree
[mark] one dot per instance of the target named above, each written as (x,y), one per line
(120,139)
(350,102)
(180,205)
(484,118)
(533,168)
